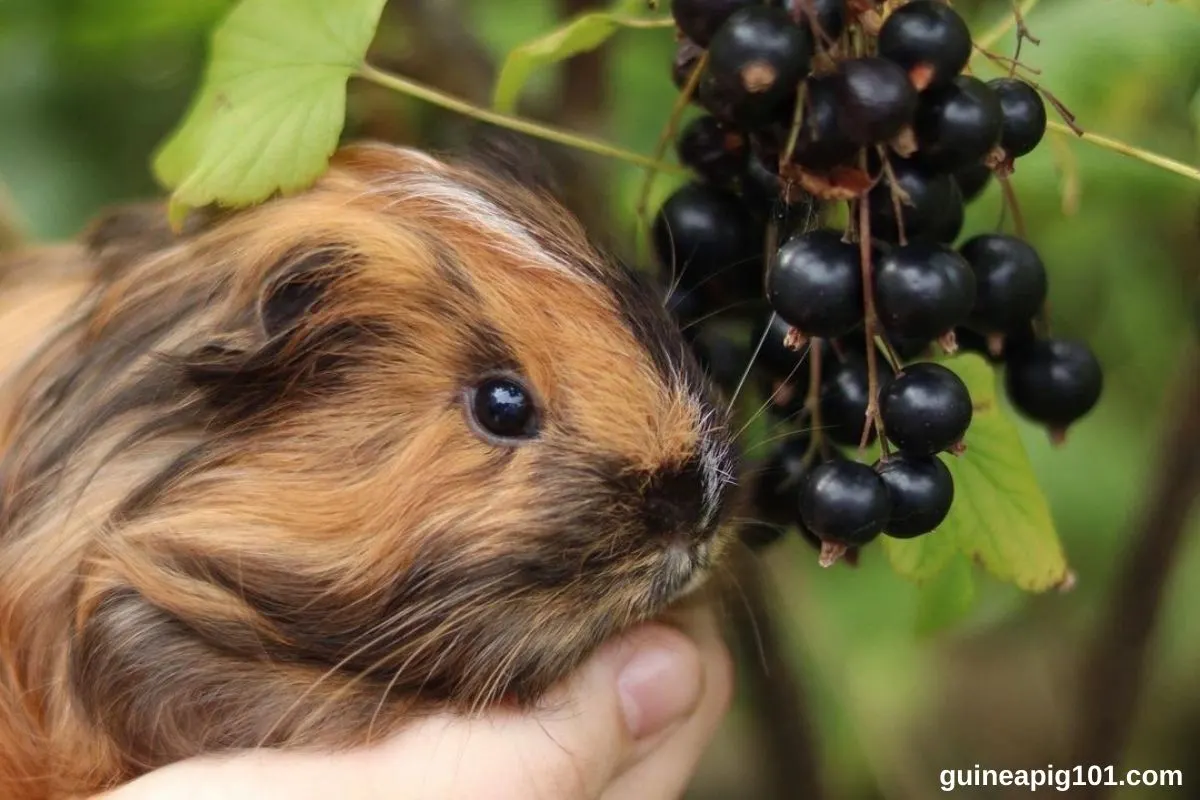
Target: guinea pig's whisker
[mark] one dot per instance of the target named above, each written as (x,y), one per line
(760,649)
(701,320)
(749,366)
(767,403)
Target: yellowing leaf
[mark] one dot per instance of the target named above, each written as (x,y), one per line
(272,104)
(1000,518)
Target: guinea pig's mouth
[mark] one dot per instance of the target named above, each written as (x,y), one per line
(685,569)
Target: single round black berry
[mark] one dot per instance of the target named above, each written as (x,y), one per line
(928,39)
(815,284)
(926,409)
(1053,381)
(700,19)
(875,99)
(972,180)
(845,502)
(958,124)
(714,149)
(843,396)
(933,205)
(722,358)
(1010,282)
(504,409)
(707,242)
(827,18)
(820,142)
(1024,115)
(921,490)
(923,290)
(756,62)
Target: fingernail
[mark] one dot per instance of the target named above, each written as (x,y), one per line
(659,684)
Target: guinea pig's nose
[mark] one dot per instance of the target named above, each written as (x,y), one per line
(673,501)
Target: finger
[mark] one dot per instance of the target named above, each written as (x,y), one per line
(585,732)
(665,764)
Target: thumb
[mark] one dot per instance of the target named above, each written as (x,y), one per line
(584,734)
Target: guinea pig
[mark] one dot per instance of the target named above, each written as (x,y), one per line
(303,471)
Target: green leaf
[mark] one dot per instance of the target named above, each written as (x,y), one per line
(272,104)
(947,598)
(1000,518)
(582,34)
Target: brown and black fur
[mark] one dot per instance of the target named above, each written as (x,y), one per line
(240,501)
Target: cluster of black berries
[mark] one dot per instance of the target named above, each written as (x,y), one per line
(812,102)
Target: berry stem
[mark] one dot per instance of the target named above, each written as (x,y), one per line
(644,23)
(899,196)
(549,133)
(1010,200)
(666,136)
(794,131)
(812,404)
(1117,146)
(864,249)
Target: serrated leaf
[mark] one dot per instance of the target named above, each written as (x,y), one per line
(1000,518)
(946,598)
(582,34)
(272,104)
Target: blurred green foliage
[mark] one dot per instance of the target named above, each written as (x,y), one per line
(88,89)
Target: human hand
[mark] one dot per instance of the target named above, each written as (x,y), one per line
(631,723)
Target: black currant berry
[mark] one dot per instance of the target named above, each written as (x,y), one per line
(820,143)
(722,358)
(926,409)
(687,57)
(700,19)
(928,39)
(778,481)
(921,490)
(923,290)
(949,221)
(1024,115)
(875,99)
(829,17)
(958,124)
(756,62)
(715,150)
(778,362)
(932,199)
(1053,381)
(845,502)
(815,284)
(1010,282)
(708,242)
(972,180)
(844,394)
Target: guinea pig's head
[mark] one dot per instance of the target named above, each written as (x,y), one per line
(408,426)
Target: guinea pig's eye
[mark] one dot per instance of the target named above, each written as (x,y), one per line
(502,408)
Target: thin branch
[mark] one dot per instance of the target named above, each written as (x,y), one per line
(1113,673)
(430,95)
(1117,146)
(997,31)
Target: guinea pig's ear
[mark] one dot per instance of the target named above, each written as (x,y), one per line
(123,234)
(293,292)
(514,158)
(297,288)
